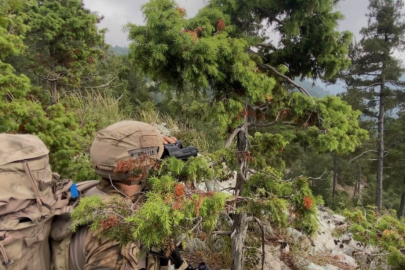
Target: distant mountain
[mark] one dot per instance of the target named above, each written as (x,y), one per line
(313,90)
(119,50)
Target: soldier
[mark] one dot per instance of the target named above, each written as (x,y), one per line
(128,141)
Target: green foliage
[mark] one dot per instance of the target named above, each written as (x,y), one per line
(64,45)
(373,81)
(384,231)
(222,57)
(278,200)
(96,211)
(203,77)
(308,27)
(13,88)
(195,169)
(170,209)
(337,128)
(209,52)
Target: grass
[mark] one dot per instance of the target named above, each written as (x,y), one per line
(94,107)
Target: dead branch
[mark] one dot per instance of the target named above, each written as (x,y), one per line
(222,232)
(118,99)
(353,159)
(274,70)
(232,137)
(263,248)
(317,178)
(267,45)
(122,193)
(350,161)
(271,124)
(10,96)
(192,229)
(374,84)
(102,86)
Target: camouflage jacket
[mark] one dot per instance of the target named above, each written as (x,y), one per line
(89,251)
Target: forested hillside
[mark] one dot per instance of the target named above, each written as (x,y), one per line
(217,82)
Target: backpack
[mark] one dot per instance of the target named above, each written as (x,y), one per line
(27,203)
(33,203)
(61,229)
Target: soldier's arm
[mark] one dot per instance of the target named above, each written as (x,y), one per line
(104,254)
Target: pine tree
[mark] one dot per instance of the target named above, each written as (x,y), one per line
(25,108)
(395,180)
(64,45)
(213,51)
(13,88)
(375,72)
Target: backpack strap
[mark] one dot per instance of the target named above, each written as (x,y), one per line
(64,202)
(33,184)
(6,261)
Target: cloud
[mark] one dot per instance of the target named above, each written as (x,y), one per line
(355,16)
(118,13)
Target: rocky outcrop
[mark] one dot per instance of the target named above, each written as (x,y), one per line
(322,251)
(325,250)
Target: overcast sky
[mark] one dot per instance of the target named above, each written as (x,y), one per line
(117,13)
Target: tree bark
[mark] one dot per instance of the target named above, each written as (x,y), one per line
(334,174)
(380,150)
(357,187)
(54,92)
(239,227)
(401,209)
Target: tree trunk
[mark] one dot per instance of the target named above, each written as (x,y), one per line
(380,150)
(54,92)
(53,82)
(357,187)
(239,227)
(334,174)
(401,209)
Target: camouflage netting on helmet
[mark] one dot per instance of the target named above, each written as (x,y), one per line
(126,148)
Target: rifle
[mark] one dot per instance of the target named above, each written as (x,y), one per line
(178,151)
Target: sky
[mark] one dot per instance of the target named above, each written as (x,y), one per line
(118,13)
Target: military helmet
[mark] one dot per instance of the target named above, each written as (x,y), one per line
(126,148)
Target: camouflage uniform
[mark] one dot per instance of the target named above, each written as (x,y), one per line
(90,250)
(122,141)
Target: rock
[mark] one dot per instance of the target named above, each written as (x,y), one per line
(313,266)
(293,235)
(339,218)
(194,245)
(272,260)
(218,244)
(284,247)
(268,229)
